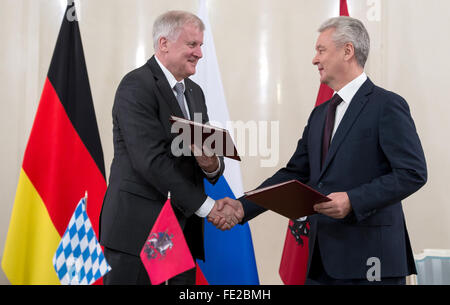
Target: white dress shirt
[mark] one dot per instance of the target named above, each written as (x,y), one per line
(172,82)
(207,206)
(347,93)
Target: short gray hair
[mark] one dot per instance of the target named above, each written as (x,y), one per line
(351,30)
(170,23)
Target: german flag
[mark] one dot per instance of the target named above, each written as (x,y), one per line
(62,160)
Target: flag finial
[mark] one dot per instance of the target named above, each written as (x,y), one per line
(168,195)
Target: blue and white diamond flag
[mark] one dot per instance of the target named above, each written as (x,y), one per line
(79,259)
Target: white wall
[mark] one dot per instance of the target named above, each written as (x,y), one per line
(264,48)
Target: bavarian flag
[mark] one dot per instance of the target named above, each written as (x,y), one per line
(62,160)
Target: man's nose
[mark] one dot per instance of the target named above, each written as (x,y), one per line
(315,60)
(198,52)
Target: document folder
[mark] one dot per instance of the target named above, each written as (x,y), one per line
(291,199)
(218,140)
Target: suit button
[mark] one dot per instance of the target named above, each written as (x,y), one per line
(320,185)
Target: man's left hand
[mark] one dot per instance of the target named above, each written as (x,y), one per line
(206,159)
(338,207)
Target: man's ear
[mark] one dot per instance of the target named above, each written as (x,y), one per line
(163,44)
(349,51)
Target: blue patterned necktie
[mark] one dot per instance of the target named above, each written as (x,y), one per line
(179,88)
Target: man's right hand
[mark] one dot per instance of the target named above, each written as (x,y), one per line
(226,213)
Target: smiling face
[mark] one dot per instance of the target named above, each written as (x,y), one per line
(329,59)
(182,55)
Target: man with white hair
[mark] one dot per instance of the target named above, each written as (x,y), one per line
(361,149)
(144,168)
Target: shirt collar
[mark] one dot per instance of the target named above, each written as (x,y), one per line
(170,78)
(348,91)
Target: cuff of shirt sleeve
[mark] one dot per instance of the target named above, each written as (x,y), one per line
(206,208)
(214,173)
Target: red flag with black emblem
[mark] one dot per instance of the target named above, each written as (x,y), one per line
(294,261)
(165,252)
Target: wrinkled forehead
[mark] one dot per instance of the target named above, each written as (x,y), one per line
(188,29)
(191,32)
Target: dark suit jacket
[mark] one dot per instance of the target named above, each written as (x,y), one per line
(144,169)
(377,158)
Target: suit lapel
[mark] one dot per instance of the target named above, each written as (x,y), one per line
(357,104)
(316,128)
(164,88)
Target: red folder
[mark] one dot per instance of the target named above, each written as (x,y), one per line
(225,148)
(291,199)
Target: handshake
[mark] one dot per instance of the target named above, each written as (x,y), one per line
(226,213)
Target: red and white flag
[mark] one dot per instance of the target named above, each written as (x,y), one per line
(165,253)
(294,261)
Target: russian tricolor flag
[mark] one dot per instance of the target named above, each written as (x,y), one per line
(229,255)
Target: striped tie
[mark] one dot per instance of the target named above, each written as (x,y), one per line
(179,88)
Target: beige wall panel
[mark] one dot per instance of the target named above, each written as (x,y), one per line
(264,49)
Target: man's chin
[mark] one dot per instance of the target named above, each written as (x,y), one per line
(323,80)
(191,71)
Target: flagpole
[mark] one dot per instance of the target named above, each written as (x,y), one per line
(166,283)
(85,198)
(168,198)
